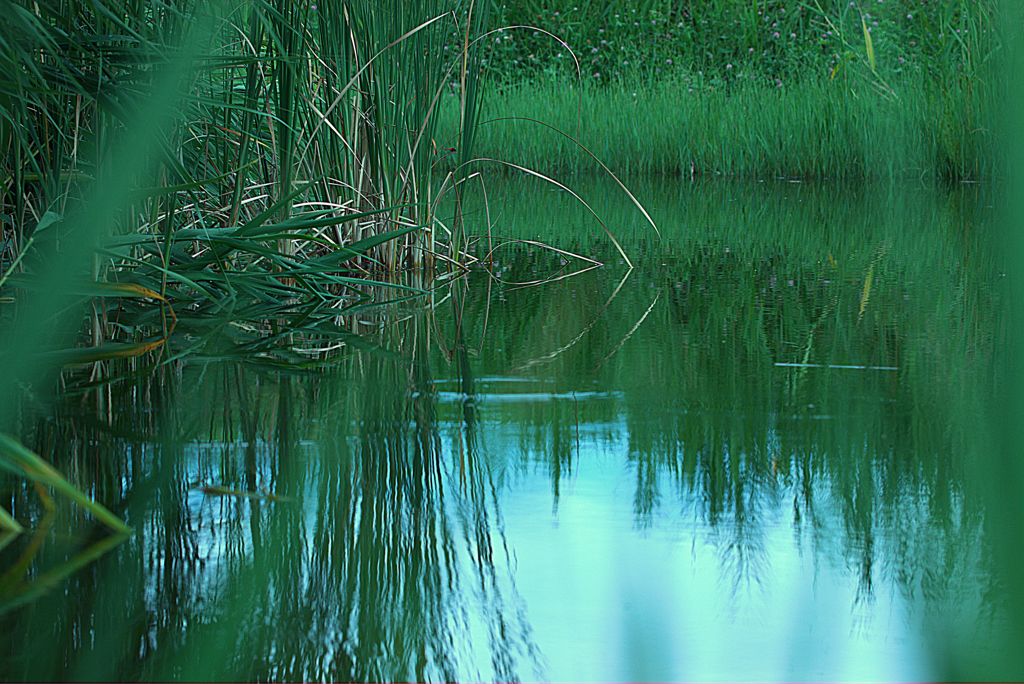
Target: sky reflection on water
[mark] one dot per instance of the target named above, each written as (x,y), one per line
(606,477)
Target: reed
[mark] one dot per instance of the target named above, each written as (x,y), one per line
(288,162)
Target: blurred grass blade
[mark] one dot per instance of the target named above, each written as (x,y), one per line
(865,294)
(7,522)
(17,459)
(103,352)
(869,46)
(24,593)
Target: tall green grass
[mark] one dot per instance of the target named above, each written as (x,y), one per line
(813,128)
(825,88)
(292,159)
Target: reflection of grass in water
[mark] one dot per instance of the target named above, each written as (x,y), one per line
(359,574)
(395,493)
(370,527)
(705,406)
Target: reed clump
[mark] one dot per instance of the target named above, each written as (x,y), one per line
(256,160)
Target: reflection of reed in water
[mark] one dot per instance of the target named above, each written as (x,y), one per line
(873,465)
(380,555)
(384,557)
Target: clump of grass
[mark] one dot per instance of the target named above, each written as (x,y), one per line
(295,162)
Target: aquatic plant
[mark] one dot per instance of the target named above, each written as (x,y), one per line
(177,166)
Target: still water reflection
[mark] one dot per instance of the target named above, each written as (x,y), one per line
(754,456)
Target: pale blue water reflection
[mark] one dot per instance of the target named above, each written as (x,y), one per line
(607,477)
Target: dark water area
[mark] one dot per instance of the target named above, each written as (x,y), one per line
(765,452)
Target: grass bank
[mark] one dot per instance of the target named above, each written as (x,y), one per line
(813,128)
(765,88)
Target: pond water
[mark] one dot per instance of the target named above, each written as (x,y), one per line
(762,453)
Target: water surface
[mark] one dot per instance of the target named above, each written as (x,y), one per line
(762,453)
